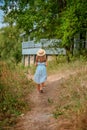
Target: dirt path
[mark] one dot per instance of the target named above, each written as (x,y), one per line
(41,115)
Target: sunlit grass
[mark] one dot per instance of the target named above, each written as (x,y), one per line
(14,88)
(60,64)
(72,99)
(16,83)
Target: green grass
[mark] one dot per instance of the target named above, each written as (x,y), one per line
(72,100)
(57,65)
(61,65)
(14,87)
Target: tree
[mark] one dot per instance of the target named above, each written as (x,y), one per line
(49,19)
(73,21)
(39,17)
(10,44)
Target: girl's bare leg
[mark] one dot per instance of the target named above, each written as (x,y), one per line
(43,84)
(41,87)
(38,87)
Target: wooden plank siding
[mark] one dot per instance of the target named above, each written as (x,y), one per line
(30,48)
(50,51)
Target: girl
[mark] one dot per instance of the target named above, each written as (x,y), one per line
(40,75)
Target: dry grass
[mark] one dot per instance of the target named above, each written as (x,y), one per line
(60,65)
(72,102)
(72,95)
(14,87)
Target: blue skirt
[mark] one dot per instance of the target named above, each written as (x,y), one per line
(40,75)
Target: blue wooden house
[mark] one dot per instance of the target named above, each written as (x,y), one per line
(30,48)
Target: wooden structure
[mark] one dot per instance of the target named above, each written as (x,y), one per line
(30,48)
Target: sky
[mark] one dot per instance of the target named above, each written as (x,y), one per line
(1,16)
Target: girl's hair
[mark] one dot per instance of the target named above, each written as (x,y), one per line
(41,58)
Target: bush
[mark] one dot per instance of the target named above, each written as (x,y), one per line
(14,86)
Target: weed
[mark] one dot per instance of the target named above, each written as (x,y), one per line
(14,86)
(73,97)
(50,101)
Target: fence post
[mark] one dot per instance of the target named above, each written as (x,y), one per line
(86,40)
(23,60)
(28,59)
(34,58)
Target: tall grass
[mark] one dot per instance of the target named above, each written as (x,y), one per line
(59,64)
(72,92)
(14,86)
(72,99)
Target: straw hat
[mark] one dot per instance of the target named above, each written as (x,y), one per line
(41,52)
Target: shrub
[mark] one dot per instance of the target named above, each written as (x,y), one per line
(14,86)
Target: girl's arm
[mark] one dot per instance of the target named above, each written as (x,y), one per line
(46,60)
(36,61)
(46,63)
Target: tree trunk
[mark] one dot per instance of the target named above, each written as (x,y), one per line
(86,41)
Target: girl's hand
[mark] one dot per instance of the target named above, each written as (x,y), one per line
(46,63)
(35,64)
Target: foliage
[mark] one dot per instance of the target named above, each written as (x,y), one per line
(36,17)
(73,21)
(72,97)
(10,44)
(44,19)
(14,86)
(49,19)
